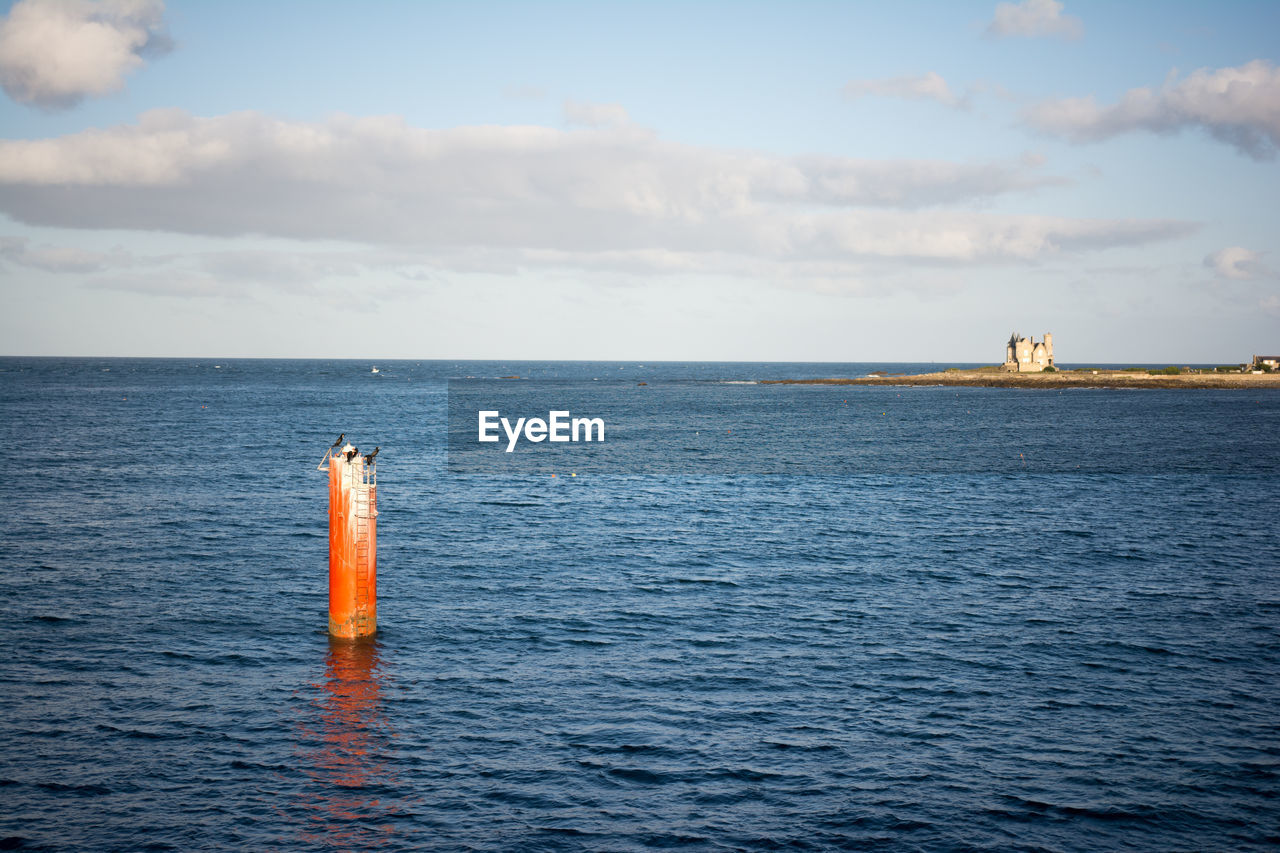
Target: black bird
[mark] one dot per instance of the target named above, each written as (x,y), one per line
(368,459)
(351,454)
(338,443)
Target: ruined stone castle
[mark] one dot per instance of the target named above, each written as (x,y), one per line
(1024,355)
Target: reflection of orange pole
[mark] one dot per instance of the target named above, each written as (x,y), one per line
(352,712)
(345,744)
(353,553)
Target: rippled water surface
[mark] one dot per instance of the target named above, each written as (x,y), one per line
(1034,660)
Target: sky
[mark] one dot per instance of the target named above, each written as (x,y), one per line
(784,181)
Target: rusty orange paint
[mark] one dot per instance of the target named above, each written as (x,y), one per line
(353,548)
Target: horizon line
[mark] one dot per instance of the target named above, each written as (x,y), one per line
(372,359)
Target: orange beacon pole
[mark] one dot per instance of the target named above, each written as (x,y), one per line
(353,544)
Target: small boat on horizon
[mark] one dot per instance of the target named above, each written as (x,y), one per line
(373,370)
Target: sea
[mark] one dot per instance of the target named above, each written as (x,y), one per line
(886,618)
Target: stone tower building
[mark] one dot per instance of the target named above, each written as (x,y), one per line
(1024,355)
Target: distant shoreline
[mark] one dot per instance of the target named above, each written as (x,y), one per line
(1060,379)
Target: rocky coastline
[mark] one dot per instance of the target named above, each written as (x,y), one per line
(1054,381)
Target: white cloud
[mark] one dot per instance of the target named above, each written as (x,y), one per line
(280,269)
(1239,106)
(524,93)
(930,86)
(583,114)
(508,197)
(1033,18)
(18,250)
(222,272)
(169,283)
(55,53)
(1237,262)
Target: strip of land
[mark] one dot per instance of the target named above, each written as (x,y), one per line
(994,378)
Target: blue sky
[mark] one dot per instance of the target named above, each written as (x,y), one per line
(767,181)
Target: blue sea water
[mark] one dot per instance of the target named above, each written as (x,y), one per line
(939,657)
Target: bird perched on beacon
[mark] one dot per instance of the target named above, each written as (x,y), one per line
(351,454)
(338,443)
(369,457)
